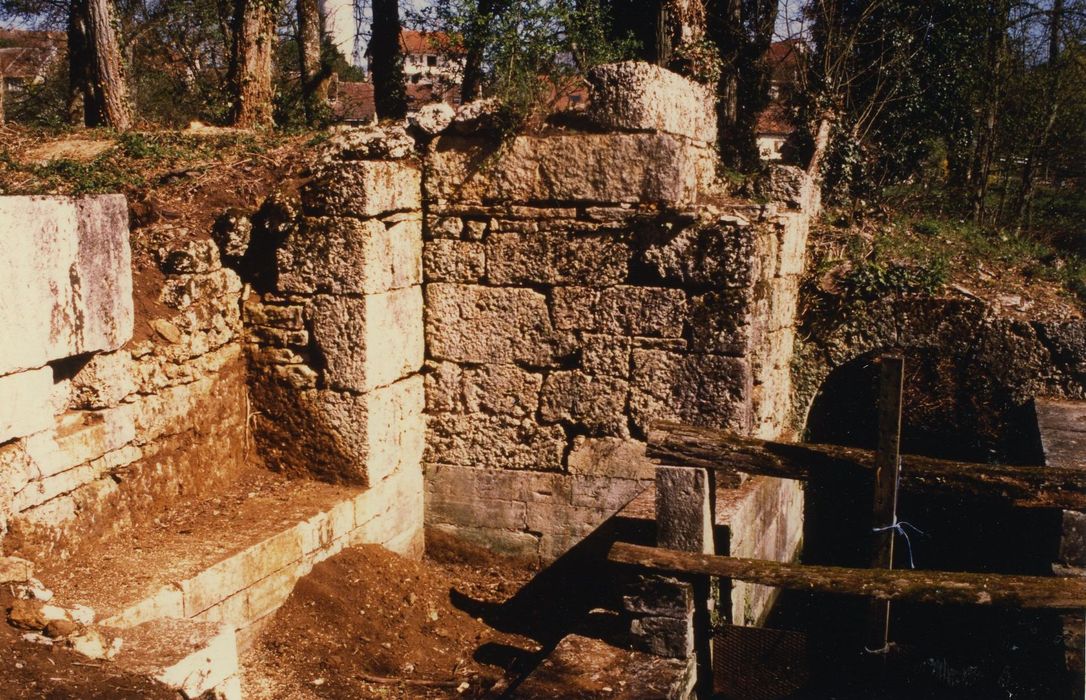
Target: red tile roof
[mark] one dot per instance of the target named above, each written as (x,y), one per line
(28,54)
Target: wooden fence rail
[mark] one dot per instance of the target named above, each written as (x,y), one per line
(1026,487)
(941,587)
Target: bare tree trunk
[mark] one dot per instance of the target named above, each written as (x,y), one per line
(472,84)
(389,92)
(681,22)
(1028,185)
(251,62)
(314,72)
(107,86)
(986,138)
(78,64)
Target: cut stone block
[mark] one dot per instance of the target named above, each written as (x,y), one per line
(446,260)
(624,310)
(370,341)
(362,189)
(596,403)
(557,258)
(639,96)
(468,323)
(192,657)
(502,442)
(707,390)
(618,168)
(25,405)
(348,256)
(609,456)
(65,278)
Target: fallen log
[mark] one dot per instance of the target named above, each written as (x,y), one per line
(1026,487)
(940,587)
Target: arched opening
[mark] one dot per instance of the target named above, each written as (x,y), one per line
(951,413)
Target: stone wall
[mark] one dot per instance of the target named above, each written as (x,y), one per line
(336,335)
(580,286)
(100,430)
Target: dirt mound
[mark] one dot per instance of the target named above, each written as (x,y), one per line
(368,623)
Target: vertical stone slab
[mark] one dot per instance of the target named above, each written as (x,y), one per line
(65,278)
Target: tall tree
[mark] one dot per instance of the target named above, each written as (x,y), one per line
(474,46)
(314,71)
(389,91)
(95,55)
(251,62)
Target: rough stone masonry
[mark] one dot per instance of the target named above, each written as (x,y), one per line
(579,286)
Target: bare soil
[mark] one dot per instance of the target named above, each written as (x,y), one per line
(32,670)
(370,624)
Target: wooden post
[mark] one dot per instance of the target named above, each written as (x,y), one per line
(884,510)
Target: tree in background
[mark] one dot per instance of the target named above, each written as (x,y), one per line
(314,71)
(105,95)
(251,62)
(389,90)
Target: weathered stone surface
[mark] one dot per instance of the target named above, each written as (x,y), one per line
(65,278)
(619,168)
(1073,539)
(481,440)
(623,310)
(708,390)
(362,189)
(606,355)
(638,96)
(725,322)
(433,118)
(718,254)
(787,184)
(659,596)
(104,381)
(191,257)
(446,260)
(345,256)
(24,403)
(478,116)
(684,516)
(182,291)
(15,570)
(610,457)
(369,341)
(664,636)
(232,232)
(388,141)
(596,403)
(467,323)
(591,260)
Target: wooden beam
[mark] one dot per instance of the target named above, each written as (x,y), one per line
(940,587)
(711,448)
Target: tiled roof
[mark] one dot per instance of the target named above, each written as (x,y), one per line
(27,54)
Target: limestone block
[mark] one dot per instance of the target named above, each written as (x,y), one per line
(501,442)
(708,390)
(726,322)
(518,545)
(501,390)
(362,189)
(606,355)
(182,291)
(444,387)
(1073,539)
(104,381)
(664,636)
(345,256)
(192,657)
(65,278)
(478,115)
(659,596)
(448,227)
(792,229)
(684,514)
(433,118)
(619,168)
(387,141)
(461,483)
(638,96)
(396,428)
(25,405)
(718,254)
(787,184)
(596,403)
(288,317)
(494,513)
(610,457)
(468,323)
(445,260)
(192,256)
(369,341)
(557,258)
(623,310)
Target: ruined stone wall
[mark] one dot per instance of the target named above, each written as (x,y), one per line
(335,332)
(581,285)
(100,430)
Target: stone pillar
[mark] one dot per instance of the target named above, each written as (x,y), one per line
(672,615)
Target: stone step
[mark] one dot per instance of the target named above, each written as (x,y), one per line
(198,659)
(582,667)
(234,559)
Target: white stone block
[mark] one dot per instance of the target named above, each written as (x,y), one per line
(25,405)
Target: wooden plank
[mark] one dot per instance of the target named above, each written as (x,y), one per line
(884,506)
(938,587)
(712,448)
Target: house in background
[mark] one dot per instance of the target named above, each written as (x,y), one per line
(26,57)
(775,123)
